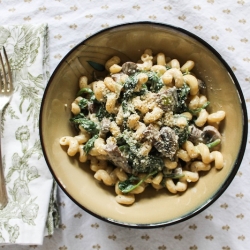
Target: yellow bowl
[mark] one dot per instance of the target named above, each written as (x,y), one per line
(128,41)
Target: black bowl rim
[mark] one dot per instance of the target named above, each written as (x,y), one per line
(236,164)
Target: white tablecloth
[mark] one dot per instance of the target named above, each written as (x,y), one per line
(223,24)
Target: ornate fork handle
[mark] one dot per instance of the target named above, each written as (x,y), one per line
(6,92)
(3,191)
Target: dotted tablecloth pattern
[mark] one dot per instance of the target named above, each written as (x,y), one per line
(225,25)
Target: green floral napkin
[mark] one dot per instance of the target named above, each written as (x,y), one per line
(31,212)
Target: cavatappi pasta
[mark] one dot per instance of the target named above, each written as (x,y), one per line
(145,124)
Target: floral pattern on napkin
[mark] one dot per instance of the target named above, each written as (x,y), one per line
(28,210)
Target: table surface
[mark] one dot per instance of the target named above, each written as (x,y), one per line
(225,26)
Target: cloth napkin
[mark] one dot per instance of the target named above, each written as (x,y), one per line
(31,212)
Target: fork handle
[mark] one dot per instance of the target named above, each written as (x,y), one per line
(3,191)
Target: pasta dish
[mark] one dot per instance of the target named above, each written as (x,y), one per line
(145,124)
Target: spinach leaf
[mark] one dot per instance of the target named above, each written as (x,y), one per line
(183,134)
(138,163)
(127,137)
(85,91)
(132,183)
(90,144)
(182,94)
(146,164)
(96,66)
(87,124)
(154,81)
(129,86)
(102,112)
(83,103)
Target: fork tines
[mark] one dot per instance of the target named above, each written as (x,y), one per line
(6,80)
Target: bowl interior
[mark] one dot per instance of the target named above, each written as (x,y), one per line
(129,42)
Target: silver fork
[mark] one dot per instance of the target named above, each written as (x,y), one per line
(6,92)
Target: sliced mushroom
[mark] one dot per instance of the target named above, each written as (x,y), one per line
(91,107)
(210,134)
(165,140)
(151,133)
(195,135)
(115,155)
(129,68)
(168,99)
(105,126)
(167,143)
